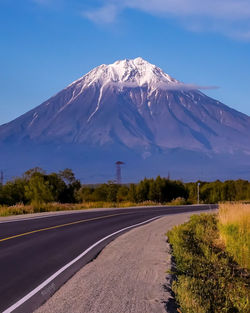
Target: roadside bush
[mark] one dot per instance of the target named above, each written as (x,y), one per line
(208,280)
(179,201)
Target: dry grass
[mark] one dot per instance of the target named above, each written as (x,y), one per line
(50,207)
(178,201)
(234,226)
(234,213)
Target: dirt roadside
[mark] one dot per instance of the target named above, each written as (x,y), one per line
(127,277)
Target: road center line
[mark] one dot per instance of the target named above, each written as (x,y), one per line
(62,225)
(48,280)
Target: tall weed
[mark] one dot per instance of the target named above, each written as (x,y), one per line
(234,227)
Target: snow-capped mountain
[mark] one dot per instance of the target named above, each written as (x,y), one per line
(132,109)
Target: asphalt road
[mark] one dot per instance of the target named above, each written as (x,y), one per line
(33,252)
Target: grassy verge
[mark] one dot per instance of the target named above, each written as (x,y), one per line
(51,207)
(54,206)
(234,227)
(208,278)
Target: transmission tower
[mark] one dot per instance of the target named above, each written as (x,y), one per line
(1,177)
(119,172)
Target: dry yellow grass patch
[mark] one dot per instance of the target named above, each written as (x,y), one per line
(54,206)
(234,226)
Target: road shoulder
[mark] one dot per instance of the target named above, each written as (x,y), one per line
(127,277)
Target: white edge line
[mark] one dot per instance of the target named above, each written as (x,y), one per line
(48,280)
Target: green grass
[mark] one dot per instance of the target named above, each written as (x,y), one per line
(208,279)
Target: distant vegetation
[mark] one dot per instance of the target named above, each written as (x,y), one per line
(36,187)
(38,191)
(160,190)
(212,261)
(217,191)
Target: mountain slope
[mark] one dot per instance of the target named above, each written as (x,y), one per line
(134,107)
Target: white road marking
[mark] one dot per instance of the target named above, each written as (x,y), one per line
(48,280)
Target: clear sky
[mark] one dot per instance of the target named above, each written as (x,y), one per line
(47,44)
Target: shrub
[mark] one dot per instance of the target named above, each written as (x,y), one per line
(178,201)
(208,279)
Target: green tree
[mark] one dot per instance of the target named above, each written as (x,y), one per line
(100,193)
(161,189)
(153,193)
(68,176)
(28,174)
(72,186)
(13,192)
(112,189)
(122,193)
(85,194)
(142,190)
(132,196)
(57,186)
(38,190)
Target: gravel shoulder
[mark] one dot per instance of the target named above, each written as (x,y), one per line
(128,276)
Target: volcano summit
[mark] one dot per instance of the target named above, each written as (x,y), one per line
(133,111)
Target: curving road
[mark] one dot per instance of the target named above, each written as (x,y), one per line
(37,255)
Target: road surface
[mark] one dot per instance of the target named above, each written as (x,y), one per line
(38,255)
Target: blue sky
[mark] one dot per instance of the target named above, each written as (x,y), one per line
(47,44)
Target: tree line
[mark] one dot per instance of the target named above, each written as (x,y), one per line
(36,187)
(157,190)
(218,191)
